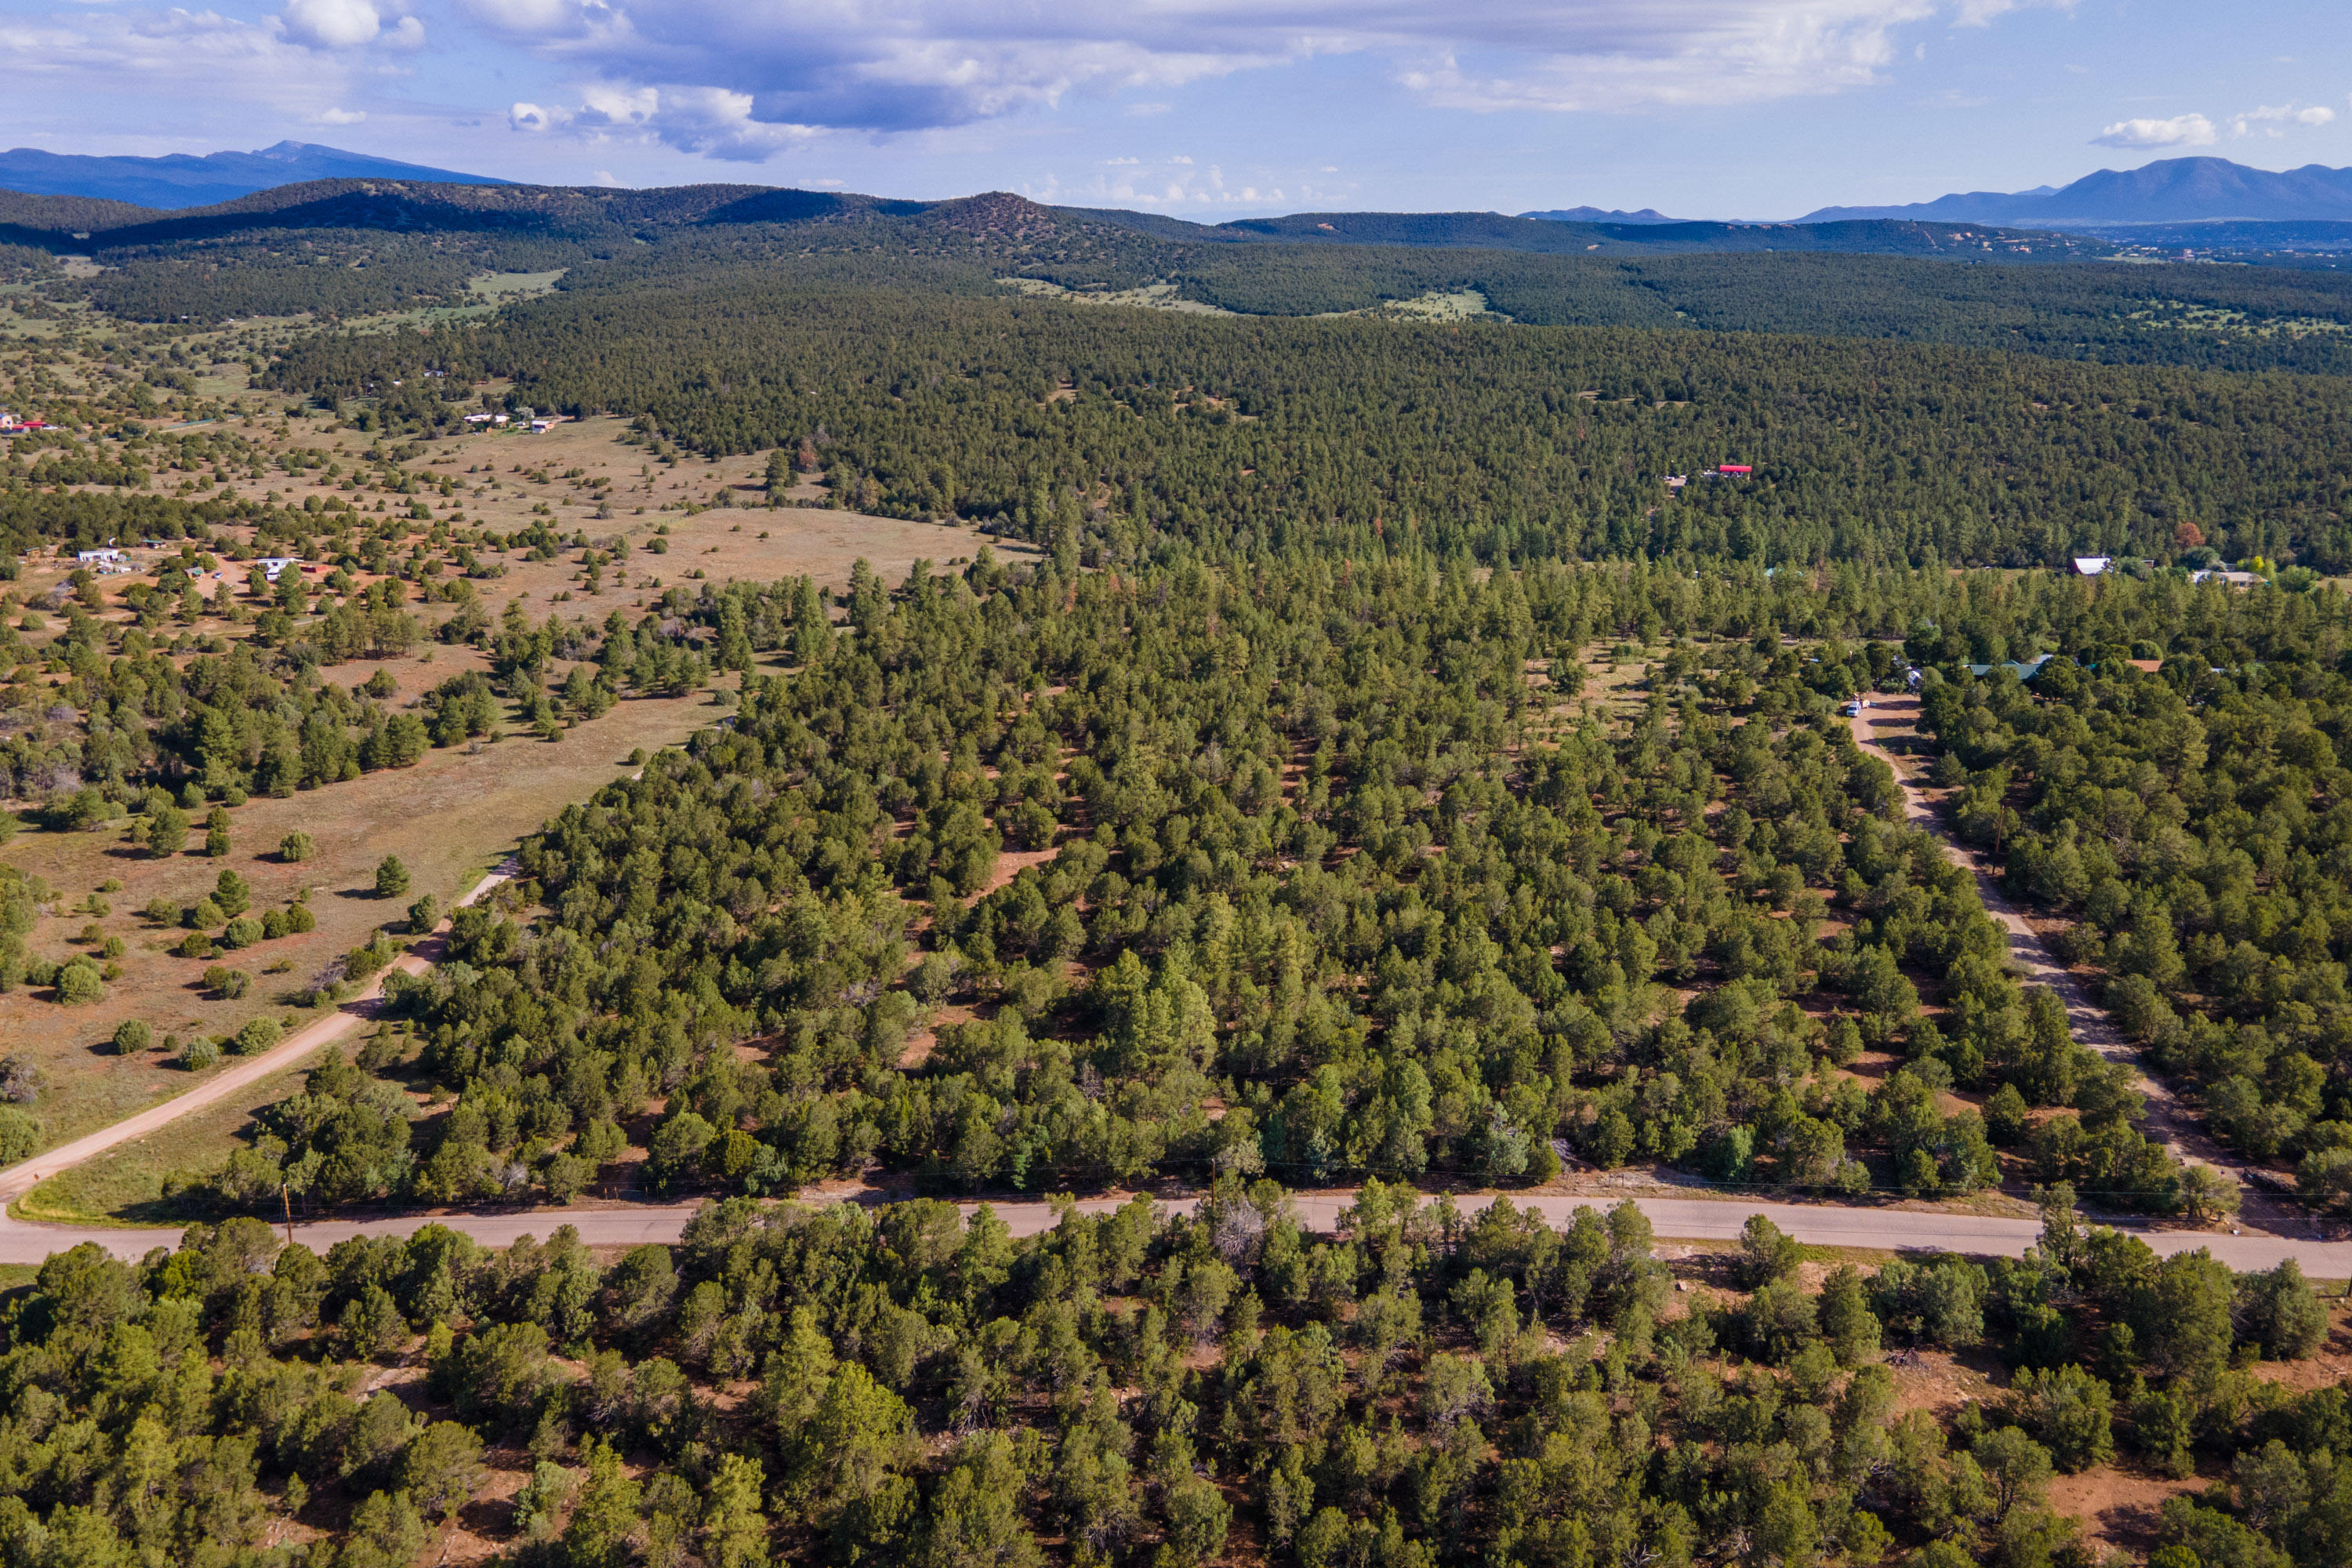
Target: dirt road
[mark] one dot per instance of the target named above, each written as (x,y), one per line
(18,1180)
(1691,1219)
(2168,1123)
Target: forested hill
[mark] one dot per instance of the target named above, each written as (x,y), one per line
(1505,441)
(595,214)
(343,250)
(1495,231)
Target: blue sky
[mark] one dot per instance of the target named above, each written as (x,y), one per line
(1212,109)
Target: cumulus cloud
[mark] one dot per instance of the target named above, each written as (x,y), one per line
(2180,130)
(2197,131)
(332,24)
(710,121)
(2271,119)
(179,53)
(339,117)
(910,64)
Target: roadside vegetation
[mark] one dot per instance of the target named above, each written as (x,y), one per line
(1420,1388)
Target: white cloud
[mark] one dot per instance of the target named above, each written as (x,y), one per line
(705,119)
(2272,116)
(2180,130)
(2196,130)
(171,56)
(907,65)
(339,117)
(332,24)
(1121,162)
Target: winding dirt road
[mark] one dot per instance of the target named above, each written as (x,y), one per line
(18,1180)
(2167,1122)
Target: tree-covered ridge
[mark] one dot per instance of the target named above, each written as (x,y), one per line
(1348,434)
(1422,1387)
(337,250)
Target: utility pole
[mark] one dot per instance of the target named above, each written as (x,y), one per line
(287,1201)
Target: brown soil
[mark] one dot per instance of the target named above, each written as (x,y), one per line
(2117,1507)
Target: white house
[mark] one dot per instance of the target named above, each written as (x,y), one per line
(97,557)
(274,565)
(2092,566)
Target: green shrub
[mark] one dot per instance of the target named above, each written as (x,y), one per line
(132,1036)
(258,1036)
(226,983)
(20,1135)
(80,982)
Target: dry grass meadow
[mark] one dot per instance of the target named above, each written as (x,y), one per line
(459,811)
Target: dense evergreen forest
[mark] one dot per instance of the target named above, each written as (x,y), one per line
(1424,1388)
(339,249)
(2193,822)
(1291,824)
(1336,887)
(1505,441)
(1343,887)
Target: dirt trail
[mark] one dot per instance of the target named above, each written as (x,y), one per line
(18,1180)
(2168,1123)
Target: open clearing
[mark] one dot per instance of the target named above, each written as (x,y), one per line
(458,810)
(448,818)
(126,1184)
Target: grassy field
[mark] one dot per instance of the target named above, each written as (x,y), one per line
(448,819)
(125,1185)
(459,811)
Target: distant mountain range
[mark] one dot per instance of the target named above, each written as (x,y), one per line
(509,216)
(53,199)
(1598,214)
(182,180)
(2169,191)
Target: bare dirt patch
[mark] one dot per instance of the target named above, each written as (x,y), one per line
(2118,1508)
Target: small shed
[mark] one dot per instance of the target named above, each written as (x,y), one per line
(2092,566)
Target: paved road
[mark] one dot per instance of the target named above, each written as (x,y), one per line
(18,1180)
(1692,1219)
(2168,1121)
